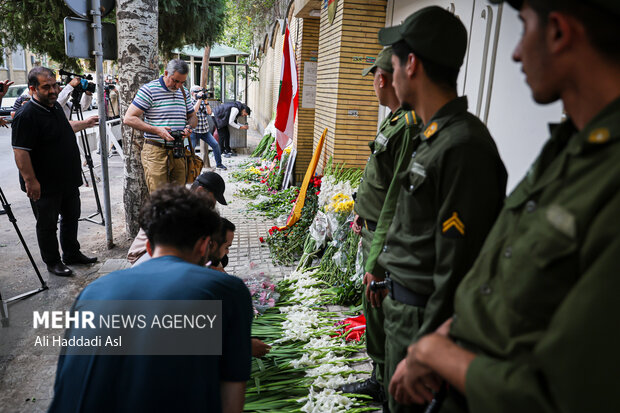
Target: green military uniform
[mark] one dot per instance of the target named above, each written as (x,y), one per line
(540,304)
(385,160)
(449,198)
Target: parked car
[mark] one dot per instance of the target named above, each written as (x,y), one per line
(11,96)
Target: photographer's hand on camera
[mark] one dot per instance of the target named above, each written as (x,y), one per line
(75,82)
(164,133)
(187,132)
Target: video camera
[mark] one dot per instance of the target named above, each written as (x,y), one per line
(84,86)
(178,148)
(202,94)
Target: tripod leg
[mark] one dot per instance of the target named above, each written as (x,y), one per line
(13,220)
(89,162)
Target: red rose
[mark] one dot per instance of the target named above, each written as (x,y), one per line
(261,239)
(271,231)
(318,192)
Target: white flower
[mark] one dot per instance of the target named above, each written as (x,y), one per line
(327,400)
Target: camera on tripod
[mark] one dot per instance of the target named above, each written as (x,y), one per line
(178,148)
(84,86)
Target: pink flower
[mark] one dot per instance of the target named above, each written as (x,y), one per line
(271,302)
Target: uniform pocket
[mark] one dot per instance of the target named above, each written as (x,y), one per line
(554,236)
(417,206)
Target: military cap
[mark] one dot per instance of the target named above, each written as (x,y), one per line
(612,6)
(383,61)
(433,33)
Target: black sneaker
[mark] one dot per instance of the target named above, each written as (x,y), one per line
(370,387)
(222,167)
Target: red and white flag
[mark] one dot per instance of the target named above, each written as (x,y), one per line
(288,99)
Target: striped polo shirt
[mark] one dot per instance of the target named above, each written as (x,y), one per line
(163,107)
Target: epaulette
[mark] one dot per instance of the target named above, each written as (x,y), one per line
(411,118)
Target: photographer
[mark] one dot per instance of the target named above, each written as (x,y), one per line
(166,106)
(203,111)
(113,109)
(65,94)
(50,173)
(226,115)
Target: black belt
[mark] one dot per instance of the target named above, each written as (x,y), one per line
(370,225)
(158,144)
(400,293)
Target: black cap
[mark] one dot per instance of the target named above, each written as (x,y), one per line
(214,183)
(432,32)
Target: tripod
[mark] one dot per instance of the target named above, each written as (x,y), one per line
(77,108)
(4,314)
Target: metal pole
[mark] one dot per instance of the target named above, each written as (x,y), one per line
(98,52)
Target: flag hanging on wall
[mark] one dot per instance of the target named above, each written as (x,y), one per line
(288,99)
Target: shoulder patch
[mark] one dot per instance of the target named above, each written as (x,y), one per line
(453,227)
(430,130)
(600,135)
(411,118)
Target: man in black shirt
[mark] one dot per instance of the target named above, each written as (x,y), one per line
(48,160)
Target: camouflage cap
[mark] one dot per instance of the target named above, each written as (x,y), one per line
(611,6)
(383,61)
(432,32)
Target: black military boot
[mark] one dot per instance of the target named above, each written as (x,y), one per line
(370,387)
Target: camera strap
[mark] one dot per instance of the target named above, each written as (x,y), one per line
(184,100)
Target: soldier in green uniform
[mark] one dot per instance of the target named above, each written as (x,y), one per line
(389,152)
(535,327)
(451,192)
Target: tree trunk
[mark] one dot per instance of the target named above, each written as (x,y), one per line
(204,70)
(138,63)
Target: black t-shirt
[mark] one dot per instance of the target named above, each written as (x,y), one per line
(46,134)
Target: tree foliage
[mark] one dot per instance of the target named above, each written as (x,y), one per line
(38,25)
(249,20)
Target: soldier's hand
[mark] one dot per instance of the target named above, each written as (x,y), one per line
(444,329)
(357,225)
(374,297)
(413,383)
(33,189)
(164,133)
(5,87)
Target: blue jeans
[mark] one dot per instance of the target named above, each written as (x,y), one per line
(209,140)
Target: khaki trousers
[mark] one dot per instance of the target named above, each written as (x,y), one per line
(160,167)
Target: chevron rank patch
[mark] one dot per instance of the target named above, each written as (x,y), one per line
(453,227)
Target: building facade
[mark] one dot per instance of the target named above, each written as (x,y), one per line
(335,40)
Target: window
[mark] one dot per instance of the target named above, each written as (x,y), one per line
(19,59)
